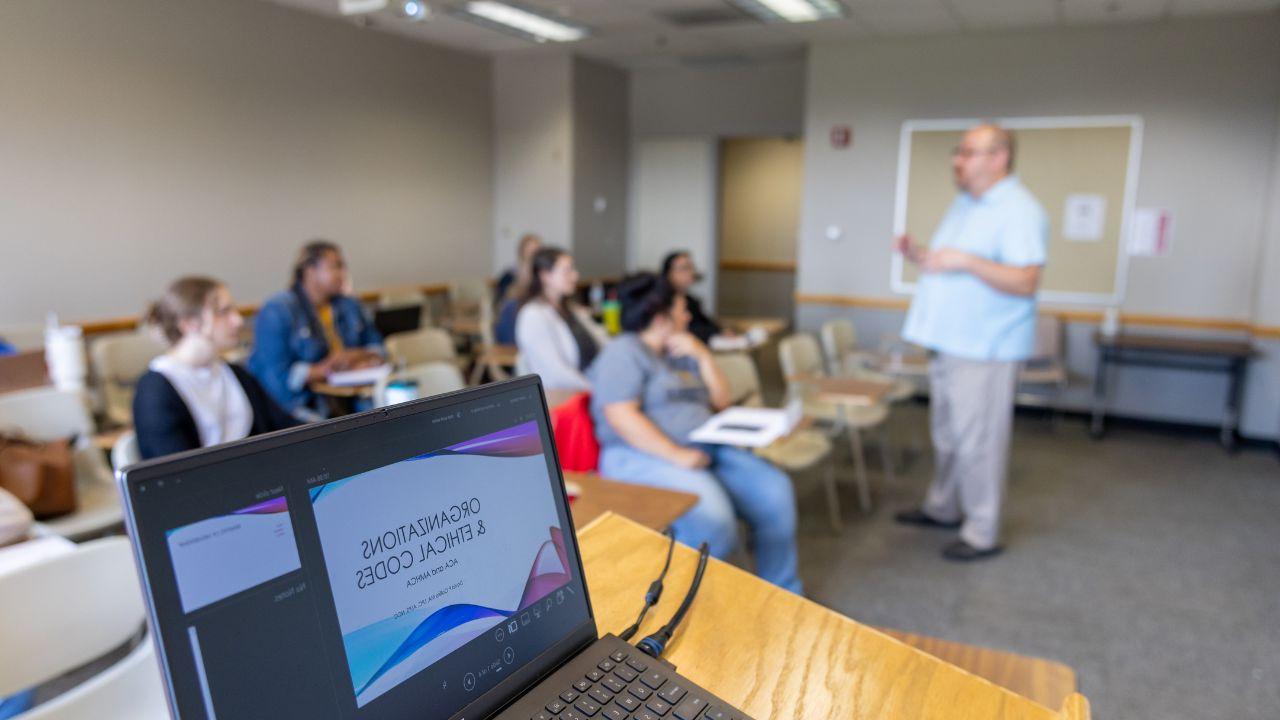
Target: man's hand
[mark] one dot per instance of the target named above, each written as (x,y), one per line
(946,260)
(906,246)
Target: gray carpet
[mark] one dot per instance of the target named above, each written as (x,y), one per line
(1149,562)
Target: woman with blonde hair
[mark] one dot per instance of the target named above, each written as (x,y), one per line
(190,397)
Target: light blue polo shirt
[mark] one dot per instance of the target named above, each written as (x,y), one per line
(958,314)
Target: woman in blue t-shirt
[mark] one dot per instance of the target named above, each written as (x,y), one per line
(651,387)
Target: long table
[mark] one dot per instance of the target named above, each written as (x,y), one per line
(1230,357)
(777,655)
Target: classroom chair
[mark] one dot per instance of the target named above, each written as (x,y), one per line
(70,609)
(418,347)
(800,356)
(117,361)
(393,298)
(799,452)
(46,414)
(430,379)
(125,452)
(840,346)
(1043,378)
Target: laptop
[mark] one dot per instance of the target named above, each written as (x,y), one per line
(390,321)
(413,562)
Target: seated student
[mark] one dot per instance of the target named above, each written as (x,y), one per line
(651,387)
(679,272)
(528,245)
(190,398)
(556,337)
(511,287)
(303,334)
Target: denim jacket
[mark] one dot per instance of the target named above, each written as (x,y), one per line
(287,340)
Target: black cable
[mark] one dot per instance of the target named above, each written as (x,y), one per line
(655,644)
(655,589)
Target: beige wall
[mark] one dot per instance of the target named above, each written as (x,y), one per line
(1208,92)
(600,168)
(760,184)
(533,152)
(757,98)
(144,139)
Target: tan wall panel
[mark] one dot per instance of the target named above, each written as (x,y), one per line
(760,188)
(1053,163)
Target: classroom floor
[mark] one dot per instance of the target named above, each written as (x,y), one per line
(1149,562)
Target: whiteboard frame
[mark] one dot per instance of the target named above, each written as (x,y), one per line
(1133,122)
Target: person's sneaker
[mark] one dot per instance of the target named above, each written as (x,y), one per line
(961,551)
(922,519)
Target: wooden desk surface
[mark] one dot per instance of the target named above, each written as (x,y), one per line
(777,655)
(1172,343)
(1045,681)
(848,390)
(771,325)
(342,391)
(654,508)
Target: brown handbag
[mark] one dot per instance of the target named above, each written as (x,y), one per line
(40,474)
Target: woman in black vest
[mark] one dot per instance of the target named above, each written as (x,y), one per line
(190,397)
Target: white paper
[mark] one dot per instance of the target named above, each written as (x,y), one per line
(748,427)
(1152,232)
(363,376)
(1083,217)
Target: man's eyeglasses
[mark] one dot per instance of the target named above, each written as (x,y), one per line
(966,153)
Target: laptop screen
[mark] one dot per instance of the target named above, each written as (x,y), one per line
(390,567)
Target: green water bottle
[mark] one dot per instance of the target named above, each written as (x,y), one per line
(612,312)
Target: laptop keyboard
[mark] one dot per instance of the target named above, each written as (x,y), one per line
(629,685)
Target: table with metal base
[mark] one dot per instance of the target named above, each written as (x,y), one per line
(1230,357)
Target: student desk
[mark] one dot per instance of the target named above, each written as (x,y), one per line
(777,655)
(1220,356)
(652,507)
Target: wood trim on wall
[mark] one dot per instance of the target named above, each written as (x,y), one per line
(1065,314)
(761,265)
(124,324)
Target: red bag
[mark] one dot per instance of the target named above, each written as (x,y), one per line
(575,434)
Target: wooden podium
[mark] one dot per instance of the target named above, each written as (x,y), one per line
(777,655)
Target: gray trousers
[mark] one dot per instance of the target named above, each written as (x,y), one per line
(971,416)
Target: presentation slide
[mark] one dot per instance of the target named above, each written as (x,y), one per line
(427,554)
(227,554)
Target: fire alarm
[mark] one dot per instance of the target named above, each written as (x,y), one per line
(841,136)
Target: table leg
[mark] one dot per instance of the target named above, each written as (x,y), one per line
(1231,419)
(1099,395)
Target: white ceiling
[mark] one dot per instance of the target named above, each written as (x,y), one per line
(634,33)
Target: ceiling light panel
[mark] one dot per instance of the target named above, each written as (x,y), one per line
(521,21)
(796,11)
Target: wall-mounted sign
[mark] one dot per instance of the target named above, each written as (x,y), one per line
(1083,216)
(841,136)
(1152,232)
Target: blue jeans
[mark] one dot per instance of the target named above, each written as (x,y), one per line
(738,484)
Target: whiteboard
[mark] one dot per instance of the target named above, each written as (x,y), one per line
(1078,163)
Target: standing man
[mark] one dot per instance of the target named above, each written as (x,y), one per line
(975,309)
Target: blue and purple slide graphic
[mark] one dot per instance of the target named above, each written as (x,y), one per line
(227,554)
(427,554)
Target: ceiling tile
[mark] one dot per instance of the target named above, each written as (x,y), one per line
(1183,8)
(1088,12)
(995,14)
(905,17)
(827,30)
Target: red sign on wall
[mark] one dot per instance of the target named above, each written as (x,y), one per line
(841,136)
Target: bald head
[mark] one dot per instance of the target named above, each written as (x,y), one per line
(983,158)
(996,138)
